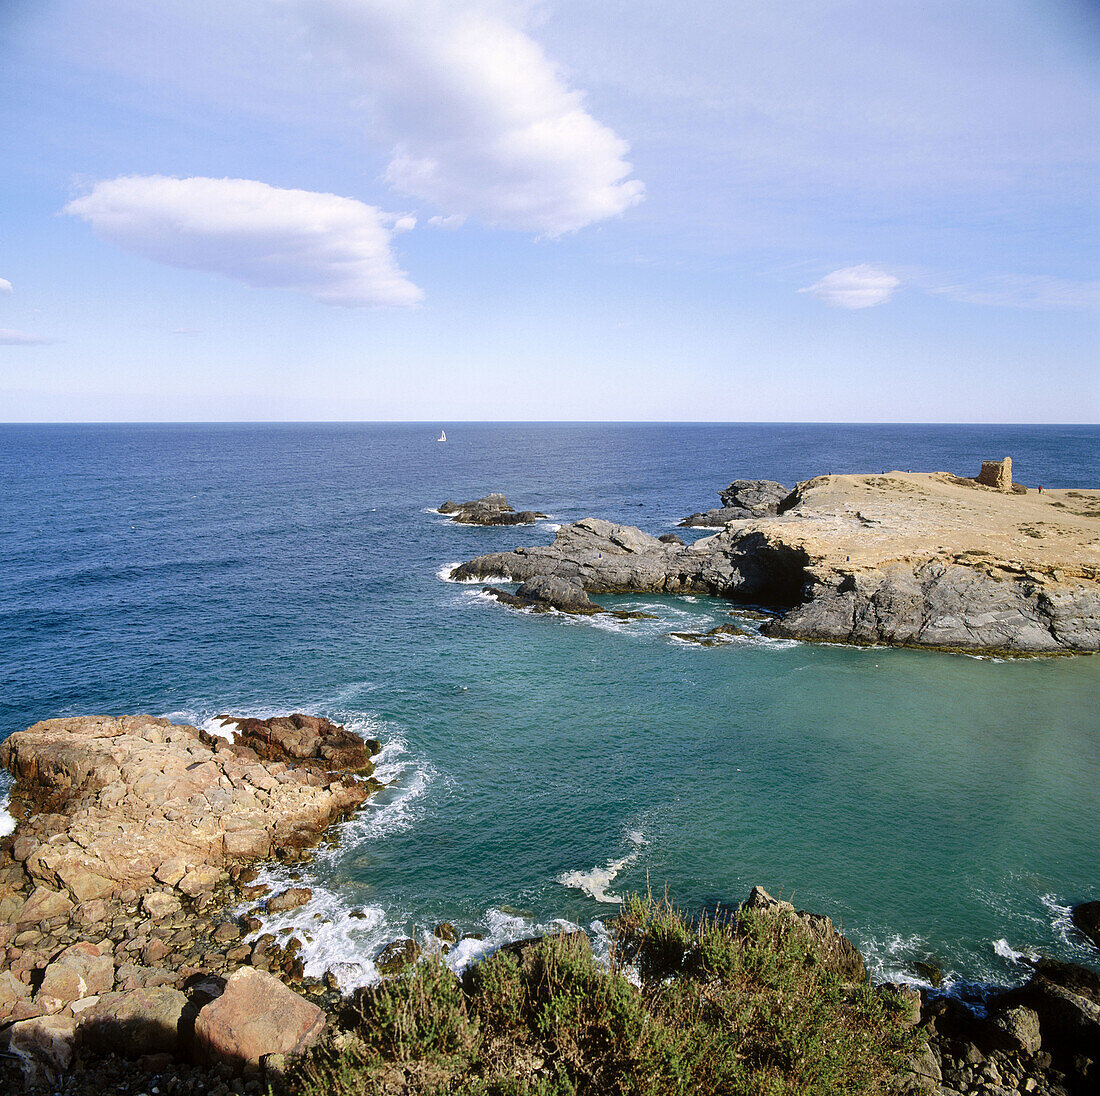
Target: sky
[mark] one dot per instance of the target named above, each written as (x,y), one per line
(449,210)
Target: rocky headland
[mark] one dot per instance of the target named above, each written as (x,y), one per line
(135,841)
(490,510)
(907,559)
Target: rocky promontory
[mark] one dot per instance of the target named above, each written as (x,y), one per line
(907,559)
(490,510)
(134,842)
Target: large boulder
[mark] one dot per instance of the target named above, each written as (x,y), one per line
(299,737)
(558,593)
(290,899)
(758,497)
(256,1015)
(81,970)
(45,1046)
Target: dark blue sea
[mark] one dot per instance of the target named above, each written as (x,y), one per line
(942,807)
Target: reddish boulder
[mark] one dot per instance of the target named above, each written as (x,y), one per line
(255,1016)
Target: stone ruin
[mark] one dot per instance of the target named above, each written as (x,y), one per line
(997,474)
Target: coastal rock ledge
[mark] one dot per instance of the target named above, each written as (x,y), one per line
(133,846)
(905,559)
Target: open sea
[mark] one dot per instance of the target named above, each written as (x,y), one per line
(941,807)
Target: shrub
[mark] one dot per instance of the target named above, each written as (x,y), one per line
(737,1007)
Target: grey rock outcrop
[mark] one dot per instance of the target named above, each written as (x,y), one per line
(743,499)
(489,510)
(896,560)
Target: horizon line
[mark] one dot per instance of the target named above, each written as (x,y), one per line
(535,422)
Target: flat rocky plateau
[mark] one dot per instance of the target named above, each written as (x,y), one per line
(902,558)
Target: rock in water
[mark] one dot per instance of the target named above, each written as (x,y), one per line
(1086,916)
(558,593)
(490,510)
(299,737)
(397,955)
(255,1016)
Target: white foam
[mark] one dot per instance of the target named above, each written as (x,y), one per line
(890,958)
(595,881)
(1060,920)
(7,823)
(444,573)
(1006,951)
(221,727)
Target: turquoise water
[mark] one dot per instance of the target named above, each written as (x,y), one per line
(940,806)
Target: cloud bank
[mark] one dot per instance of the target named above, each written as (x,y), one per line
(8,337)
(854,287)
(335,249)
(483,123)
(5,285)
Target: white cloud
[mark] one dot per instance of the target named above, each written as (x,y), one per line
(483,123)
(5,285)
(8,337)
(854,287)
(335,249)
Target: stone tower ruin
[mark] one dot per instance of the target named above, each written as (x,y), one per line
(997,474)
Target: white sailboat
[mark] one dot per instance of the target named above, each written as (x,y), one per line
(442,435)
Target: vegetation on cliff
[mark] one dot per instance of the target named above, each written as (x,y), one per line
(732,1006)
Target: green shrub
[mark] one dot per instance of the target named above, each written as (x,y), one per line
(724,1009)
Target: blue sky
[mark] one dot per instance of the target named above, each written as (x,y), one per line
(496,209)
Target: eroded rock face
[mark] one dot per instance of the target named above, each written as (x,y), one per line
(490,510)
(904,559)
(743,499)
(138,795)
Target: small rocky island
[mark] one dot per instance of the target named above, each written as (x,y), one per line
(489,510)
(907,559)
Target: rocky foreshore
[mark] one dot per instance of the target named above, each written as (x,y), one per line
(135,843)
(905,559)
(126,968)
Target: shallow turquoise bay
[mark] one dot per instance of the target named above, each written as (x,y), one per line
(940,806)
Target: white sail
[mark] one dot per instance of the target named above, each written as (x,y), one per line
(442,435)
